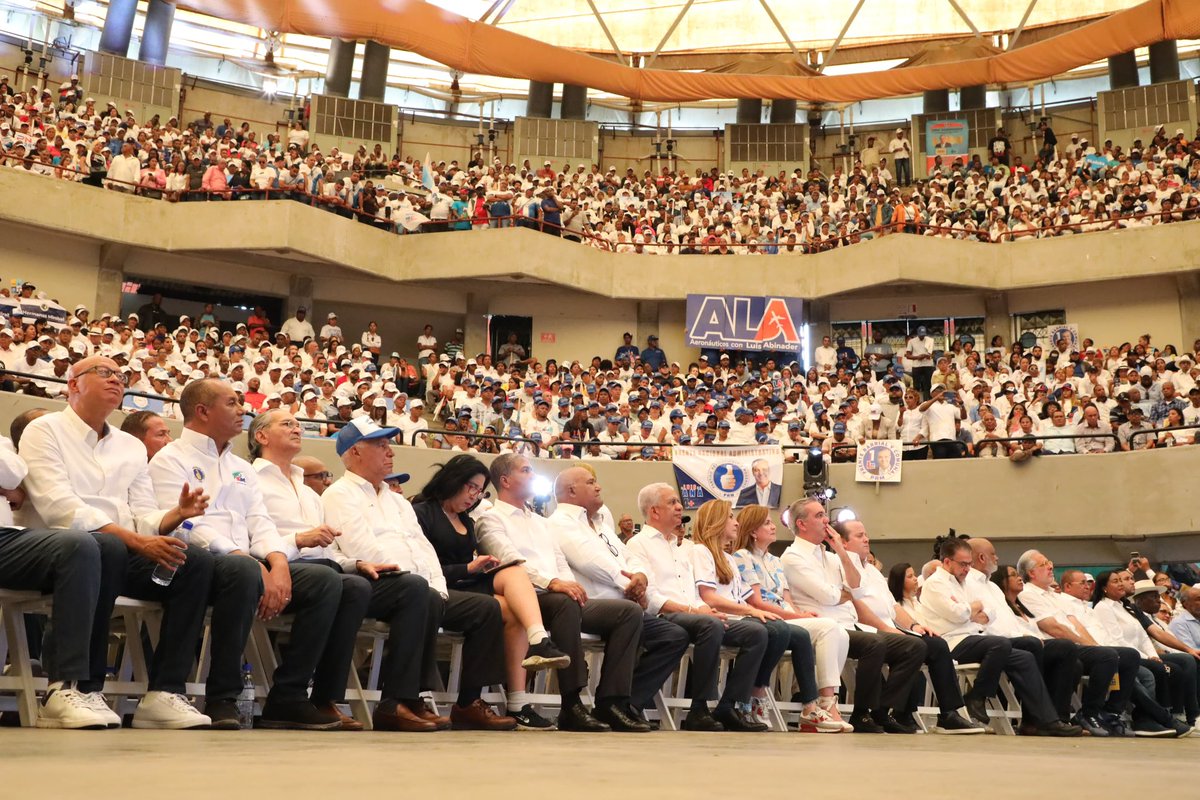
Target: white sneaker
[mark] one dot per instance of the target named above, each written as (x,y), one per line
(167,711)
(830,709)
(758,711)
(820,721)
(65,707)
(99,702)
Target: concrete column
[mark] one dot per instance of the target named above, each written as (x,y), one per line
(749,112)
(340,68)
(108,288)
(1164,61)
(300,295)
(1122,71)
(541,100)
(997,319)
(783,111)
(156,34)
(374,72)
(118,27)
(1189,307)
(574,102)
(972,97)
(818,318)
(475,338)
(937,100)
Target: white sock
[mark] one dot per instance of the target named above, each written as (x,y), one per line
(517,700)
(536,634)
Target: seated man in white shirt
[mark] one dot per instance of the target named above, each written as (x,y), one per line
(378,525)
(826,583)
(601,564)
(959,612)
(511,532)
(1100,709)
(251,564)
(877,607)
(274,441)
(671,593)
(86,476)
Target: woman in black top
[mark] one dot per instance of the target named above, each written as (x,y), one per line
(442,509)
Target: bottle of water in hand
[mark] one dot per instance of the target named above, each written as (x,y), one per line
(164,575)
(245,701)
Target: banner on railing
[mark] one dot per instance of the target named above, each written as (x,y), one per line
(878,461)
(946,138)
(736,322)
(740,475)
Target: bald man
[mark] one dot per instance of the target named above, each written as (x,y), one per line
(86,476)
(316,475)
(601,564)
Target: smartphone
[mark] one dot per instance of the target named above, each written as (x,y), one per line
(506,565)
(1135,555)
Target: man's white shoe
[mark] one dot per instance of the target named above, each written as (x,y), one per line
(66,707)
(98,701)
(167,711)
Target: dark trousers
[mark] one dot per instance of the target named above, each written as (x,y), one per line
(1022,662)
(903,655)
(916,454)
(236,588)
(477,617)
(405,602)
(333,668)
(708,634)
(663,645)
(316,595)
(903,171)
(941,675)
(617,622)
(1185,684)
(782,637)
(1101,664)
(1057,660)
(1150,676)
(184,604)
(66,563)
(946,448)
(922,379)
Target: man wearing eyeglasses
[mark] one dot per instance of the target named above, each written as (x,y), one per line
(316,476)
(953,610)
(85,475)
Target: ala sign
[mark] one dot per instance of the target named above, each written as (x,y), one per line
(736,322)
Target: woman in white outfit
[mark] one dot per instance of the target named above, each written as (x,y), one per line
(763,572)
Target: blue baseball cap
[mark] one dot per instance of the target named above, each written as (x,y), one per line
(361,429)
(839,427)
(396,477)
(677,414)
(562,401)
(647,424)
(541,401)
(793,426)
(723,424)
(614,420)
(647,451)
(535,436)
(685,439)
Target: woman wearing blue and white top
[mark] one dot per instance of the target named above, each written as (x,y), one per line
(720,585)
(763,573)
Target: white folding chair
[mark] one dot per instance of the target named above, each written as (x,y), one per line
(18,679)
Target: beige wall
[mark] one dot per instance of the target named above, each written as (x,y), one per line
(66,269)
(264,115)
(696,150)
(1112,312)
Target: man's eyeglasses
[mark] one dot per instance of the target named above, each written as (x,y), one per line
(609,545)
(104,373)
(324,476)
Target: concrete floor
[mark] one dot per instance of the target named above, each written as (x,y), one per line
(129,764)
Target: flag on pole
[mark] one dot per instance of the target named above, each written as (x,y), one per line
(427,174)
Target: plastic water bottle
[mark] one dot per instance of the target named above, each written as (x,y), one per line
(245,701)
(164,575)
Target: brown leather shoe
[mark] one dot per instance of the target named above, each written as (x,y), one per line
(401,719)
(348,723)
(429,715)
(479,716)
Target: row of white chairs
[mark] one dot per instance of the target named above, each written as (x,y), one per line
(19,686)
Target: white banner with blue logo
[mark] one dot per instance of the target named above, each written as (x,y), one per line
(744,476)
(751,324)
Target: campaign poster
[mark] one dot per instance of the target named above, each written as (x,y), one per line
(878,461)
(743,476)
(745,323)
(946,138)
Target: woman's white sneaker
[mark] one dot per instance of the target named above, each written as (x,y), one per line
(820,721)
(167,711)
(98,701)
(65,707)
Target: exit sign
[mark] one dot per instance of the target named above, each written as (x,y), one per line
(549,338)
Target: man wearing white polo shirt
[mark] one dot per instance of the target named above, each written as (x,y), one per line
(941,414)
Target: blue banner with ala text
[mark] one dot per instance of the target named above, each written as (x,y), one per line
(747,323)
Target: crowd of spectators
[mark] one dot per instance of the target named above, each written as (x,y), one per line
(1002,401)
(1067,188)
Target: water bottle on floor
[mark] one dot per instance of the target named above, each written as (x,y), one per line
(245,701)
(164,575)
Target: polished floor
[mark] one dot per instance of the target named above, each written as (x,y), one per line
(132,765)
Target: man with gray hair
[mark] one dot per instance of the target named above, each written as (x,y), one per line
(671,593)
(1100,710)
(511,532)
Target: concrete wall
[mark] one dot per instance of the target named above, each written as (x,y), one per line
(1112,312)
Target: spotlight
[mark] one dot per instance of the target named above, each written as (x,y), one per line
(816,471)
(543,487)
(844,514)
(270,87)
